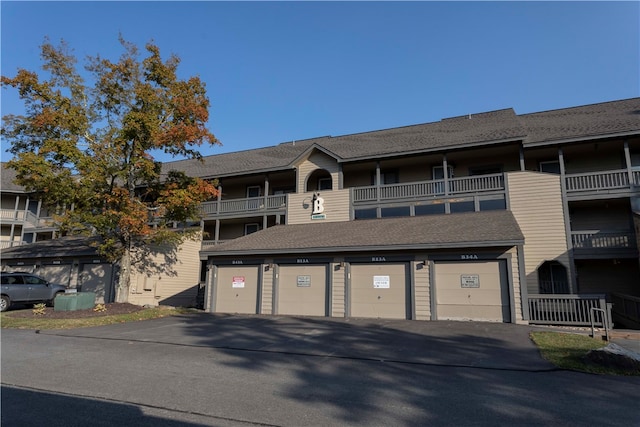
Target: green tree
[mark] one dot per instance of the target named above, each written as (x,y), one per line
(85,149)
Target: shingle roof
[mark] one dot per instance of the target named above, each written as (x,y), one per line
(7,177)
(597,120)
(491,127)
(479,229)
(62,247)
(588,121)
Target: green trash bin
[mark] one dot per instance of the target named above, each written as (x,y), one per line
(72,302)
(67,302)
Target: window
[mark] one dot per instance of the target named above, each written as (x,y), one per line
(390,176)
(366,213)
(552,278)
(485,170)
(439,174)
(395,212)
(434,209)
(253,191)
(325,184)
(551,166)
(462,207)
(493,205)
(251,228)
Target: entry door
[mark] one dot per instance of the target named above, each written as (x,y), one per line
(472,291)
(302,290)
(236,290)
(379,291)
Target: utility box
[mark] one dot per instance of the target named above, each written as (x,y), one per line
(72,302)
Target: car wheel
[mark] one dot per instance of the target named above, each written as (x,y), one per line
(50,303)
(5,302)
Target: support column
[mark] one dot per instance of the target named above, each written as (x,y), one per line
(266,201)
(627,159)
(567,223)
(522,164)
(445,174)
(378,176)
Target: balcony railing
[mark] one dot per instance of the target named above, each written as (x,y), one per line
(591,239)
(245,205)
(26,218)
(434,188)
(601,181)
(10,215)
(210,243)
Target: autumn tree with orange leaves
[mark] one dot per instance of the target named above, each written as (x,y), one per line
(84,149)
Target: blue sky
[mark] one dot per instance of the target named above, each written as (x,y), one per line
(283,71)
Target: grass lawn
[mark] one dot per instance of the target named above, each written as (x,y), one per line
(35,322)
(567,350)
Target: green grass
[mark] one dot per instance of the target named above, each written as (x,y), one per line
(6,321)
(567,350)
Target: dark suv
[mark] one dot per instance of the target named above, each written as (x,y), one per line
(26,288)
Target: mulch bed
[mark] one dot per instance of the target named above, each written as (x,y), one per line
(49,313)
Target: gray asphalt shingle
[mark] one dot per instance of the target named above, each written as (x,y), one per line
(489,228)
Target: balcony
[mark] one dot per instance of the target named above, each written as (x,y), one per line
(468,185)
(25,218)
(245,206)
(601,184)
(604,244)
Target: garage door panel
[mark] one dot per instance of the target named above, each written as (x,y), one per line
(472,291)
(58,274)
(379,291)
(302,290)
(237,290)
(97,278)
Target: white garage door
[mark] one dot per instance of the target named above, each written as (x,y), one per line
(236,290)
(379,291)
(302,290)
(472,291)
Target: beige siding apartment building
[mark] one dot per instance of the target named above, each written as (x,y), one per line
(481,217)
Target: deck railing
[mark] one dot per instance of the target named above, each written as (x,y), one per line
(588,239)
(11,215)
(626,309)
(249,204)
(593,181)
(568,310)
(433,188)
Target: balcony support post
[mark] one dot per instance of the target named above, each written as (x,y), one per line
(627,160)
(216,235)
(522,164)
(219,196)
(567,223)
(445,174)
(378,177)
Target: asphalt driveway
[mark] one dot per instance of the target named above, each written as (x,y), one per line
(217,370)
(443,343)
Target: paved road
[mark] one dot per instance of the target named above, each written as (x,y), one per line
(213,370)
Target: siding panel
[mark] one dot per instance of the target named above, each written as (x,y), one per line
(536,202)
